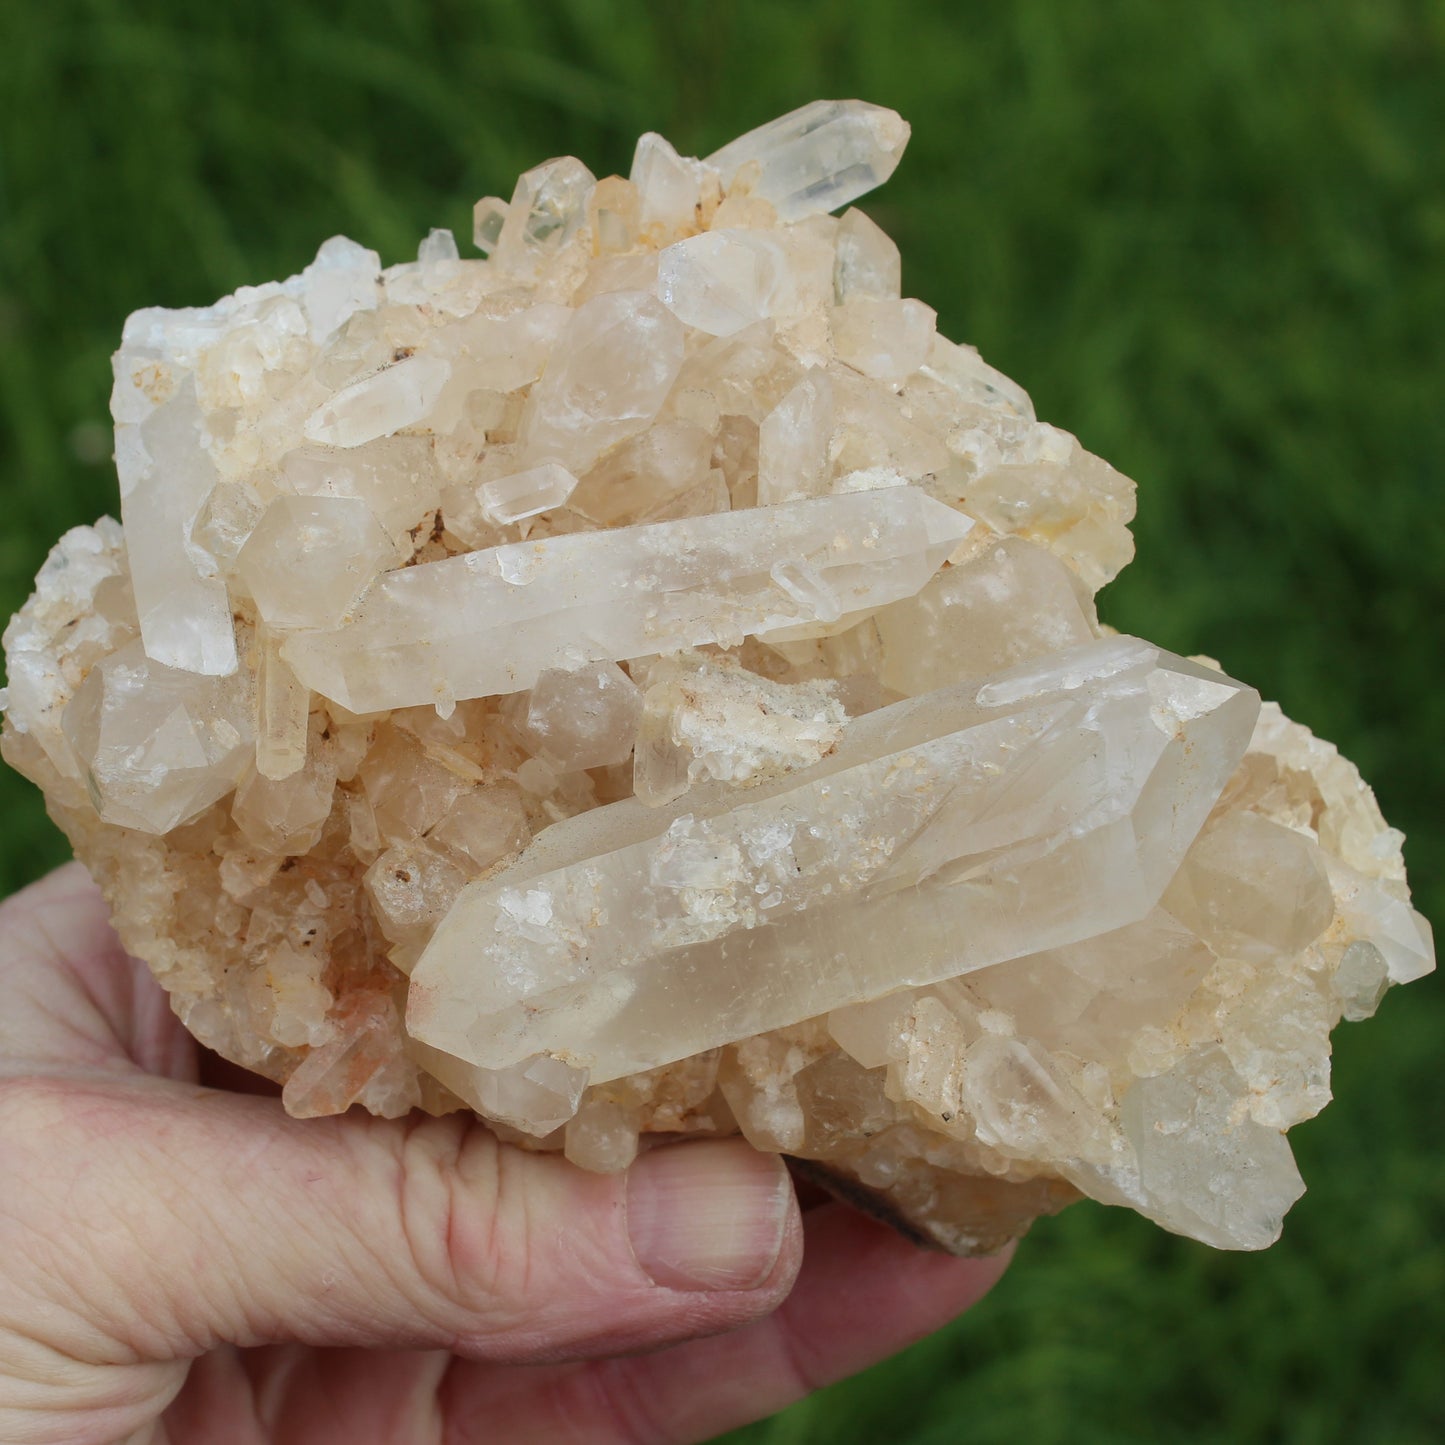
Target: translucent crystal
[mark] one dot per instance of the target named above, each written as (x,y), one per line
(956,831)
(396,397)
(1253,1179)
(658,663)
(818,157)
(720,281)
(670,187)
(438,250)
(508,614)
(287,815)
(500,353)
(706,719)
(1011,602)
(310,558)
(969,379)
(412,887)
(489,215)
(157,745)
(397,478)
(882,337)
(621,353)
(341,281)
(226,520)
(794,443)
(602,1136)
(1252,889)
(291,999)
(546,211)
(614,214)
(165,478)
(585,718)
(537,1096)
(484,826)
(283,712)
(868,262)
(525,494)
(361,1064)
(644,474)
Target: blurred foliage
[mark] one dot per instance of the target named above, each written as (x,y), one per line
(1210,239)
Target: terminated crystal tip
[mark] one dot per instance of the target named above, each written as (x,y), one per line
(819,157)
(647,682)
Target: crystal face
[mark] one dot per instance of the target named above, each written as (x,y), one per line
(646,682)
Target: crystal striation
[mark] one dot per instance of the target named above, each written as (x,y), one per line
(646,682)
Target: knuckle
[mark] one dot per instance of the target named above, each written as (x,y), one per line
(446,1180)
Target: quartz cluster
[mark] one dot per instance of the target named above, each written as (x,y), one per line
(646,682)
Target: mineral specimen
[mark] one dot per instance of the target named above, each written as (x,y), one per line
(646,682)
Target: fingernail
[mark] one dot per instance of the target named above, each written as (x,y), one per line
(709,1215)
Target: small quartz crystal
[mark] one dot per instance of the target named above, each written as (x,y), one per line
(646,683)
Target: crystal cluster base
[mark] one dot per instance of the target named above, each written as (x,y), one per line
(646,682)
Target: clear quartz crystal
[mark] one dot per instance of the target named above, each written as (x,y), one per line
(818,157)
(283,710)
(882,337)
(670,187)
(165,479)
(1010,602)
(525,494)
(585,718)
(510,613)
(158,745)
(720,281)
(646,681)
(342,281)
(794,442)
(309,559)
(547,208)
(489,216)
(957,830)
(868,263)
(619,355)
(398,396)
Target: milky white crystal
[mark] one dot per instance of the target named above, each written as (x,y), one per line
(646,683)
(165,479)
(710,719)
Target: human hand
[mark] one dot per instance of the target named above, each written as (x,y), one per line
(183,1264)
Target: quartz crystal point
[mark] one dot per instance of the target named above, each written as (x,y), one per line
(490,621)
(165,478)
(946,833)
(646,683)
(819,157)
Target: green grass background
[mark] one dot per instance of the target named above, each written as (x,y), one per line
(1209,238)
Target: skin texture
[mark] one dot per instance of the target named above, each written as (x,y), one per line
(181,1262)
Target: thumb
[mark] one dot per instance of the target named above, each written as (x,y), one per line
(155,1220)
